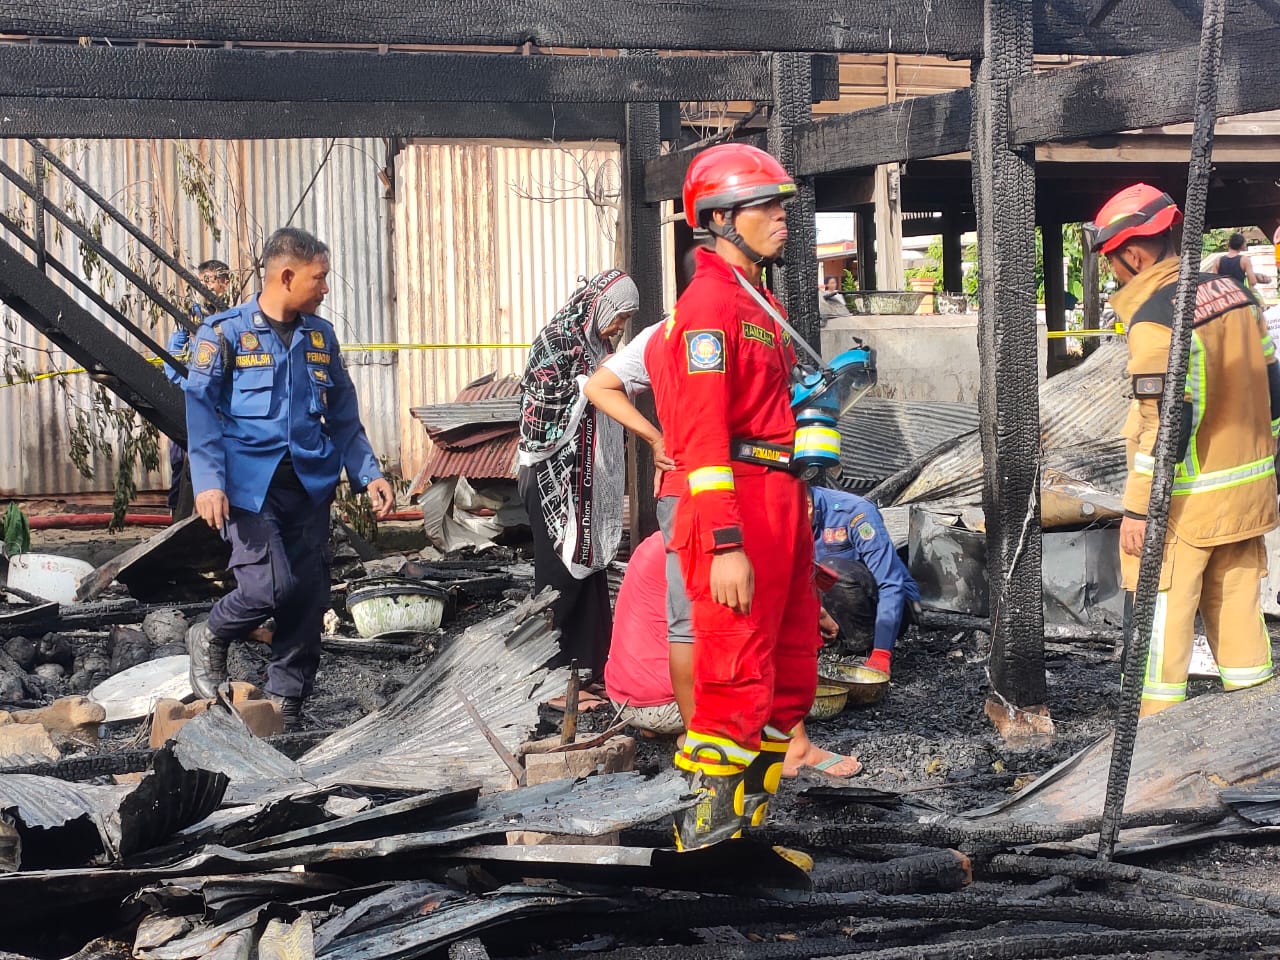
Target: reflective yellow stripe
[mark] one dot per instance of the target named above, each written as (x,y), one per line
(1166,692)
(710,478)
(1275,428)
(722,748)
(1237,677)
(822,439)
(1268,346)
(1155,650)
(1221,479)
(1144,464)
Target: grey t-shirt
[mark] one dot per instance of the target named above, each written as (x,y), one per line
(628,363)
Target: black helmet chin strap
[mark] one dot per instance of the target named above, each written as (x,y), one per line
(730,233)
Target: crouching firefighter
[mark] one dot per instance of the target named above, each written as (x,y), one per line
(1224,485)
(741,528)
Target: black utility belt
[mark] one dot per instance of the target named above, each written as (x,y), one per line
(772,455)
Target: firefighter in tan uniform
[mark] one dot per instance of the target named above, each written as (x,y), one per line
(1224,489)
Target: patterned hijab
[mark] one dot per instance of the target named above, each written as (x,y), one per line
(571,345)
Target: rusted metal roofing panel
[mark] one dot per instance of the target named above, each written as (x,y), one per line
(476,436)
(490,239)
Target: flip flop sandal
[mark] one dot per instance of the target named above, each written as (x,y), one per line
(824,767)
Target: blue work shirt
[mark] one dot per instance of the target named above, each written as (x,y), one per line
(846,525)
(251,399)
(179,340)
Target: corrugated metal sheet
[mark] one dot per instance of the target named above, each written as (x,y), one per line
(490,240)
(329,187)
(1081,414)
(879,436)
(486,451)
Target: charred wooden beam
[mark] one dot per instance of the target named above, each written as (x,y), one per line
(861,26)
(644,263)
(797,280)
(1141,91)
(301,76)
(664,175)
(1004,186)
(912,129)
(142,119)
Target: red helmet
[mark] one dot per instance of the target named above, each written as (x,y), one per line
(729,175)
(1137,211)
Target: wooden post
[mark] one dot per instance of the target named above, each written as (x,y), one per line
(952,256)
(1091,296)
(867,247)
(1008,401)
(644,263)
(797,281)
(1055,299)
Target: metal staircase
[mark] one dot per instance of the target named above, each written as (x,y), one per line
(110,345)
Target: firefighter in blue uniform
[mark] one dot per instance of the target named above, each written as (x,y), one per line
(272,421)
(874,585)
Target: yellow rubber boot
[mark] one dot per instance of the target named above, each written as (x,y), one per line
(718,813)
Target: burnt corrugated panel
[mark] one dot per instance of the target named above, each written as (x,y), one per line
(491,460)
(329,187)
(448,417)
(490,239)
(1081,414)
(879,437)
(487,451)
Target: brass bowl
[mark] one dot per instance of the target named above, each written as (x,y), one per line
(865,685)
(828,701)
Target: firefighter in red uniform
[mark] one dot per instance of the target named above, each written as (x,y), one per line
(741,528)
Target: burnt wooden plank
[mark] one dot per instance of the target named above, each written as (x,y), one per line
(1141,91)
(857,26)
(913,129)
(238,74)
(1008,400)
(664,175)
(111,119)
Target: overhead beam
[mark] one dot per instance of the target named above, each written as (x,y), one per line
(664,175)
(856,26)
(1150,90)
(300,76)
(912,129)
(145,119)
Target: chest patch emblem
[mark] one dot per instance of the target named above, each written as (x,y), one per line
(706,351)
(317,339)
(867,532)
(248,341)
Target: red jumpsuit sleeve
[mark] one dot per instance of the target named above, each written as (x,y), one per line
(701,353)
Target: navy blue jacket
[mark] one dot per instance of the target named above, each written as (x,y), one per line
(846,525)
(250,399)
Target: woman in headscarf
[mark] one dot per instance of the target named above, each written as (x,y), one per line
(572,465)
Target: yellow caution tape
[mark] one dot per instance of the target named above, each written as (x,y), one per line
(1116,331)
(356,347)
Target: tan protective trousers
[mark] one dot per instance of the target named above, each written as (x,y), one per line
(1225,584)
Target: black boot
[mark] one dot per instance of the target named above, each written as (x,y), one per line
(763,776)
(208,654)
(717,813)
(290,711)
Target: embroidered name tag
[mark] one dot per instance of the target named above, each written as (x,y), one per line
(253,360)
(316,357)
(753,331)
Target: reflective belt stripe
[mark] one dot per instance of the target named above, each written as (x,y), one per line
(1220,479)
(710,478)
(1144,464)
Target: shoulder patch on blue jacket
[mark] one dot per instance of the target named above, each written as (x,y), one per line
(206,352)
